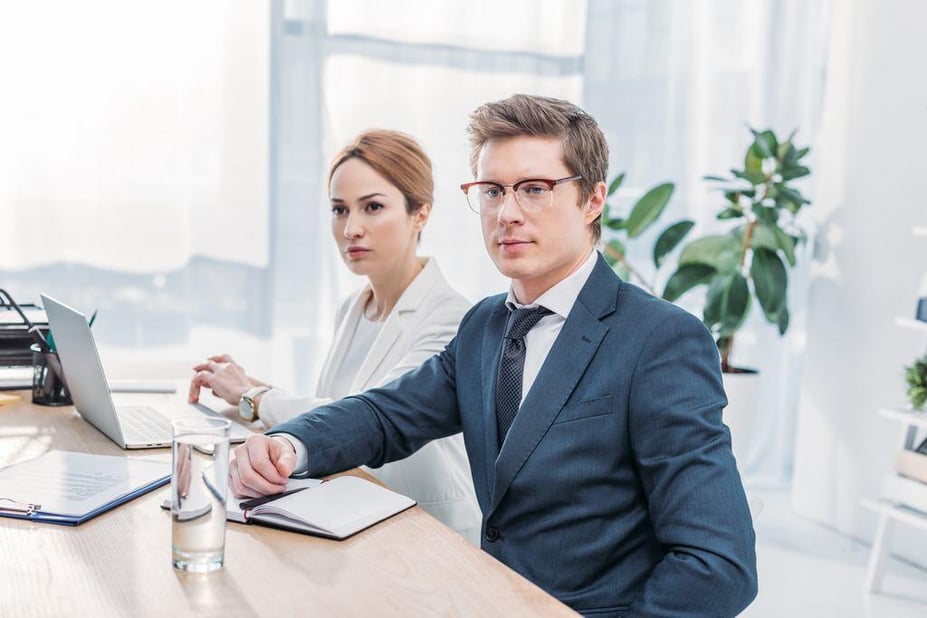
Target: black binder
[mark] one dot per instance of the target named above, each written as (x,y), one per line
(16,323)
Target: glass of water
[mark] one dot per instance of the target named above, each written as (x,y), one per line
(199,483)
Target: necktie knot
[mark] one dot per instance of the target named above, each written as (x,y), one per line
(523,320)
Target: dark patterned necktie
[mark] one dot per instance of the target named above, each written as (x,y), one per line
(512,366)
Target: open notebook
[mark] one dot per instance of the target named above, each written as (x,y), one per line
(334,509)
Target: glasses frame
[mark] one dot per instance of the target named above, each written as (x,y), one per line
(514,186)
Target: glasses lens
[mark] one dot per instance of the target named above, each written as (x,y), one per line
(484,196)
(533,195)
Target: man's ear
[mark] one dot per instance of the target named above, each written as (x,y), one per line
(595,202)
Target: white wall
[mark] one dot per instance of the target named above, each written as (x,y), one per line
(868,265)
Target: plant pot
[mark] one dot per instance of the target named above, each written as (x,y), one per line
(912,465)
(741,389)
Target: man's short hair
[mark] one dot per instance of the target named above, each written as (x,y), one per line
(585,151)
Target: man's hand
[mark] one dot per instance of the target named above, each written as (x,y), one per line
(224,376)
(261,466)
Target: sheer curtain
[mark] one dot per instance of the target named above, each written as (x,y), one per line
(168,164)
(675,84)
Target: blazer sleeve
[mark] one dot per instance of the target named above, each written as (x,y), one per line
(694,491)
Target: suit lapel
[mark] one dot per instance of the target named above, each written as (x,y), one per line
(572,352)
(489,370)
(401,319)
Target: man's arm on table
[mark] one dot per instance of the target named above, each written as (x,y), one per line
(373,428)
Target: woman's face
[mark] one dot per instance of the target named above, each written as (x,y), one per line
(374,233)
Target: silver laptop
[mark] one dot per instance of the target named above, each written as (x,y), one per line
(130,427)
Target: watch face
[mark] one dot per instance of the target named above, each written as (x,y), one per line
(246,409)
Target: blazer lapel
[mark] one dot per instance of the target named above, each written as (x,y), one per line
(388,335)
(401,319)
(572,352)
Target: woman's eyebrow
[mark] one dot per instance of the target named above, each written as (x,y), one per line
(363,197)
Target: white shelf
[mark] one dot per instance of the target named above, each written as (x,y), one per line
(897,511)
(903,498)
(902,490)
(920,230)
(911,323)
(905,415)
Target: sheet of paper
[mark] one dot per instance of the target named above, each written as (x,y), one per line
(66,483)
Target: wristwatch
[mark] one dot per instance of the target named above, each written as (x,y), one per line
(246,407)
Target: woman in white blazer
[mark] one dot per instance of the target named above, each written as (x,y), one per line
(380,187)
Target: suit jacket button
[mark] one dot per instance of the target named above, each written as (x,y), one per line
(492,534)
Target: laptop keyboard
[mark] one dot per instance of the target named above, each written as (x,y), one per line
(145,424)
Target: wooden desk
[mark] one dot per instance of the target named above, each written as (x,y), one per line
(119,564)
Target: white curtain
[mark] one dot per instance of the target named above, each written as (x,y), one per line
(179,152)
(134,165)
(675,84)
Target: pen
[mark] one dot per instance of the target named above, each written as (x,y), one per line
(254,502)
(93,317)
(39,338)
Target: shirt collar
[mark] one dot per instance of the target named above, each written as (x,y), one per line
(562,295)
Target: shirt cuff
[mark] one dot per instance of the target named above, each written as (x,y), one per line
(302,454)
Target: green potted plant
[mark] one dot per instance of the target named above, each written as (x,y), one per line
(748,263)
(915,377)
(744,265)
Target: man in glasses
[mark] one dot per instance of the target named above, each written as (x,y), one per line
(591,410)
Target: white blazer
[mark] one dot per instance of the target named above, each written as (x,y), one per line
(423,321)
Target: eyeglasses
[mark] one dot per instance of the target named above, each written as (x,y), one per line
(532,194)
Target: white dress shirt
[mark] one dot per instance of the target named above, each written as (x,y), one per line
(559,299)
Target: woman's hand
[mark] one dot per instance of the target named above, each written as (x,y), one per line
(224,376)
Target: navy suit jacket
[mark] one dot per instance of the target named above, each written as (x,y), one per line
(616,490)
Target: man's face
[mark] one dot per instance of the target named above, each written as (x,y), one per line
(535,249)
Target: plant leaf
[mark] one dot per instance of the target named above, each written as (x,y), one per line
(764,144)
(669,239)
(764,237)
(770,281)
(648,209)
(722,252)
(794,171)
(730,213)
(783,320)
(766,214)
(685,278)
(616,224)
(615,183)
(727,304)
(786,243)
